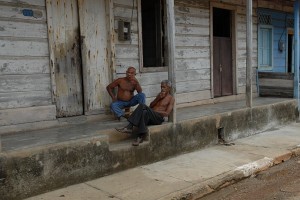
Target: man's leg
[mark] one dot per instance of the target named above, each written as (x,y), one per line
(139,98)
(143,116)
(136,115)
(117,108)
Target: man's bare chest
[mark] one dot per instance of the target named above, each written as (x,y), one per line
(128,86)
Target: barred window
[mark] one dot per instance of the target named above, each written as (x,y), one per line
(264,19)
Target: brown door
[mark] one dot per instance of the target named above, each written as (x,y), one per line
(223,84)
(222,53)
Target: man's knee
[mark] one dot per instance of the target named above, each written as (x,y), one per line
(141,97)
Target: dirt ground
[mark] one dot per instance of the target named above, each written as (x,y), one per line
(279,182)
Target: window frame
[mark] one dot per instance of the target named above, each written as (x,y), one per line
(140,35)
(259,51)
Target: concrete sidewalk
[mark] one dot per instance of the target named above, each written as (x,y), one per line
(191,175)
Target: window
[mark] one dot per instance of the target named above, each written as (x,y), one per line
(153,34)
(265,46)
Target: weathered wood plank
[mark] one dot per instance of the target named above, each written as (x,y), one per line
(192,53)
(125,12)
(127,51)
(24,48)
(193,75)
(193,3)
(151,90)
(192,96)
(133,41)
(20,29)
(27,115)
(16,13)
(278,83)
(276,75)
(21,83)
(281,5)
(265,91)
(182,40)
(180,9)
(193,63)
(192,86)
(123,64)
(24,99)
(192,30)
(24,66)
(191,20)
(18,83)
(25,2)
(152,78)
(125,2)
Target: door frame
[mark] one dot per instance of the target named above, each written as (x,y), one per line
(290,31)
(233,10)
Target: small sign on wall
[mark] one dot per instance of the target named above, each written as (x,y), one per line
(27,12)
(32,13)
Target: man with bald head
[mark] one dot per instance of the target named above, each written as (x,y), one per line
(124,97)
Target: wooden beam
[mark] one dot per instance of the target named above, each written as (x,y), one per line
(249,55)
(296,71)
(171,52)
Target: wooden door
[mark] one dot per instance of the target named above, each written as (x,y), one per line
(222,52)
(65,56)
(223,79)
(95,55)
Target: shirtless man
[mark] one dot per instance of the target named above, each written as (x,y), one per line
(125,96)
(143,115)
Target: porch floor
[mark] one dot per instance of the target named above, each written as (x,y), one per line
(79,130)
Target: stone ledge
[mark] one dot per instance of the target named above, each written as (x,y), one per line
(29,172)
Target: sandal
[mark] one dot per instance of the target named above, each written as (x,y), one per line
(138,141)
(124,130)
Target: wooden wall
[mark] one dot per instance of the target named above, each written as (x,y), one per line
(192,38)
(193,25)
(276,84)
(127,52)
(24,62)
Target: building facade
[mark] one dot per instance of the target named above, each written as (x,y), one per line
(57,56)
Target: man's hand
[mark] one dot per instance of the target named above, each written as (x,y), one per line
(162,95)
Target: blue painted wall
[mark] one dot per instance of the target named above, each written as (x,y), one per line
(279,33)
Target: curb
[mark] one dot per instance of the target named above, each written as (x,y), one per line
(228,178)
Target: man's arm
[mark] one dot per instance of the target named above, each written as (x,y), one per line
(170,107)
(110,89)
(138,87)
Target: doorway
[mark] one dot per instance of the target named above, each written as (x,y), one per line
(222,52)
(290,52)
(79,56)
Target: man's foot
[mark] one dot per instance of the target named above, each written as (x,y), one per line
(138,141)
(124,130)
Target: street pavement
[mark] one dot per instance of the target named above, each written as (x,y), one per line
(190,175)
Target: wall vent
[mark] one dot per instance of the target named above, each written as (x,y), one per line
(264,19)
